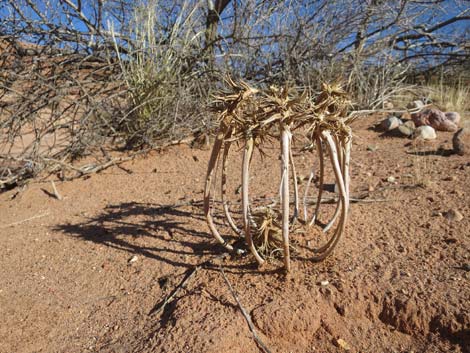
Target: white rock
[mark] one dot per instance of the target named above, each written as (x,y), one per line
(405,130)
(390,123)
(324,283)
(408,128)
(133,259)
(415,105)
(425,132)
(391,179)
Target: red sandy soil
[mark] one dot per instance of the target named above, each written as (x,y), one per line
(397,282)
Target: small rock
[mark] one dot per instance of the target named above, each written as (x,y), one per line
(410,124)
(390,123)
(133,259)
(391,179)
(343,344)
(324,283)
(454,117)
(425,133)
(372,148)
(450,240)
(453,215)
(407,128)
(461,139)
(415,105)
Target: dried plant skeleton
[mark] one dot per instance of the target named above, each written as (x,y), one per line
(252,116)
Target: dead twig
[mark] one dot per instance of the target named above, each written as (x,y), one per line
(389,111)
(159,307)
(190,273)
(245,314)
(56,193)
(25,220)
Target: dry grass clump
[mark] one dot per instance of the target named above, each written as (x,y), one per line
(450,98)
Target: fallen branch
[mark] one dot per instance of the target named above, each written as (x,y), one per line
(159,307)
(314,201)
(190,273)
(25,220)
(390,111)
(245,314)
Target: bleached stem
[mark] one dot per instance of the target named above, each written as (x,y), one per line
(340,156)
(307,187)
(228,215)
(285,147)
(320,181)
(248,151)
(296,187)
(207,190)
(325,250)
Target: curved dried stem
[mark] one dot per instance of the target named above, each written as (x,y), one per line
(339,150)
(228,215)
(318,142)
(307,187)
(325,250)
(285,148)
(207,190)
(296,188)
(248,151)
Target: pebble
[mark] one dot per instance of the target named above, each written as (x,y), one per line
(343,344)
(408,128)
(415,105)
(324,283)
(460,139)
(133,259)
(391,179)
(372,148)
(390,123)
(425,132)
(453,215)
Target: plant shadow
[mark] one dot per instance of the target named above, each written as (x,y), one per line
(165,233)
